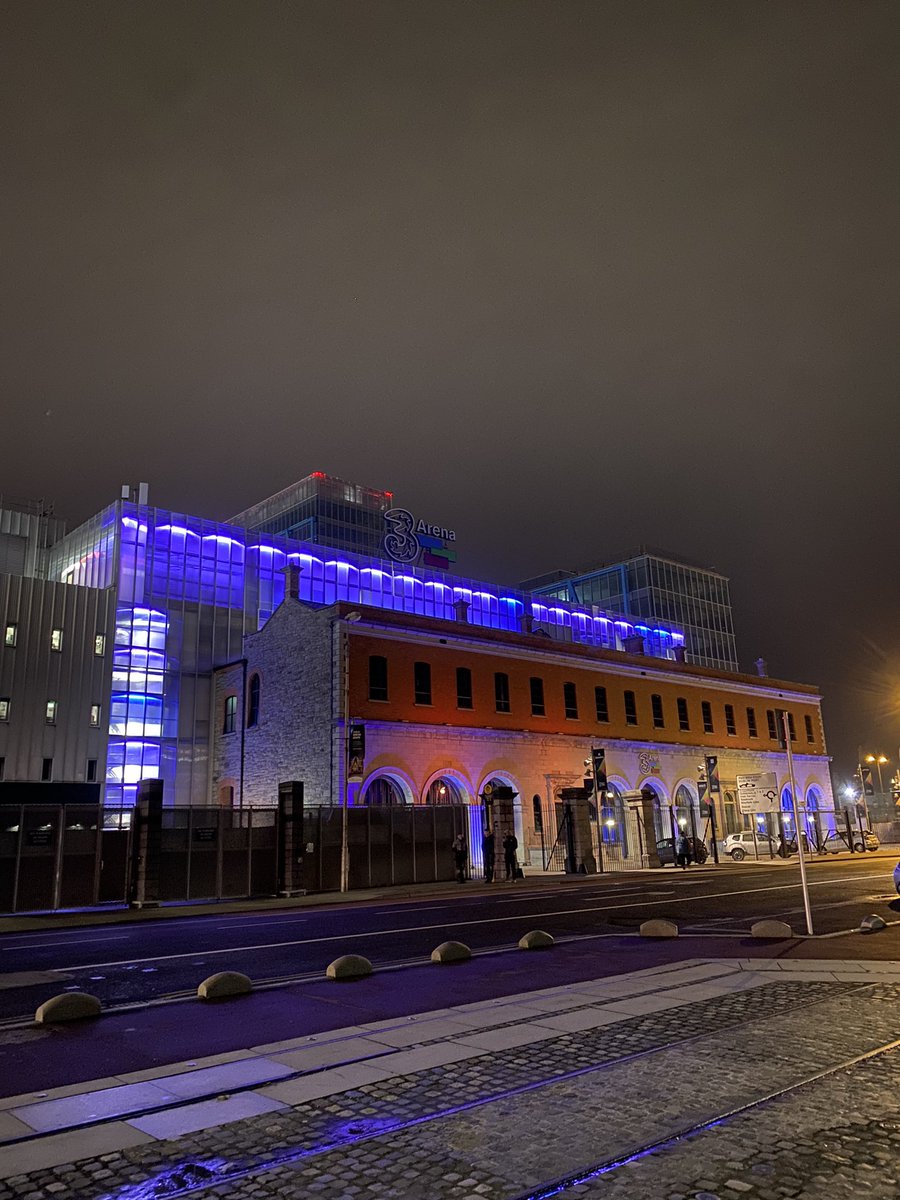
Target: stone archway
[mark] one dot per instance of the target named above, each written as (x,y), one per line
(385,787)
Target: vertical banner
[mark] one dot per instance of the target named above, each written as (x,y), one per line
(712,775)
(356,753)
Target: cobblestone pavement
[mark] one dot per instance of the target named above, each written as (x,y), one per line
(510,1123)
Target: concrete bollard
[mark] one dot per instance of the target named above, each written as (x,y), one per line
(450,952)
(872,924)
(774,930)
(349,966)
(658,928)
(223,985)
(68,1006)
(535,939)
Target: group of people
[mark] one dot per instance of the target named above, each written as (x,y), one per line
(489,856)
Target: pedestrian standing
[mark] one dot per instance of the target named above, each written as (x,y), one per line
(510,846)
(460,855)
(488,855)
(684,852)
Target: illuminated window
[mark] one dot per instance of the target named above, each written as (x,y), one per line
(706,711)
(50,712)
(631,717)
(56,636)
(91,772)
(46,770)
(230,714)
(751,722)
(501,692)
(463,687)
(537,697)
(100,644)
(422,682)
(4,708)
(9,638)
(810,736)
(570,701)
(656,706)
(253,702)
(730,726)
(772,724)
(378,677)
(601,703)
(95,716)
(684,720)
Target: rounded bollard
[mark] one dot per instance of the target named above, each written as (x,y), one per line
(872,924)
(774,930)
(349,966)
(450,952)
(536,939)
(658,928)
(223,985)
(68,1006)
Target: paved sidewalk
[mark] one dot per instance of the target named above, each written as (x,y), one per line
(503,1097)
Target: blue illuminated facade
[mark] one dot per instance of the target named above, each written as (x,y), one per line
(189,589)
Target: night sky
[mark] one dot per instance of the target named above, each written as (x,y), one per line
(567,277)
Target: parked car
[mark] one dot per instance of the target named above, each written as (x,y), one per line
(699,852)
(739,845)
(837,841)
(897,878)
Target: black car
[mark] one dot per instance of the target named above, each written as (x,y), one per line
(699,853)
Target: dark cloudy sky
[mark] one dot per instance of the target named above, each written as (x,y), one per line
(566,276)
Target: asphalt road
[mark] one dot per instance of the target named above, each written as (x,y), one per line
(132,963)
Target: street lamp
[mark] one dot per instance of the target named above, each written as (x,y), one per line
(878,760)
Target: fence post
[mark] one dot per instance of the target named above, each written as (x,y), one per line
(147,843)
(290,838)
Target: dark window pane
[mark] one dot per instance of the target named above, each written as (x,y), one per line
(501,692)
(751,722)
(730,726)
(230,714)
(422,682)
(684,721)
(706,710)
(570,701)
(810,737)
(656,704)
(253,701)
(463,687)
(630,709)
(772,724)
(378,677)
(537,697)
(602,704)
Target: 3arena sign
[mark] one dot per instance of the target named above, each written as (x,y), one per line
(406,539)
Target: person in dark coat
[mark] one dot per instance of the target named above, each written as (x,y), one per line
(460,857)
(510,846)
(488,855)
(684,851)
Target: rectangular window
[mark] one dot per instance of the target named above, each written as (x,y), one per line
(56,636)
(228,723)
(464,688)
(706,710)
(792,727)
(810,736)
(4,708)
(656,705)
(684,720)
(378,677)
(751,722)
(9,638)
(601,703)
(772,724)
(570,701)
(46,770)
(100,644)
(91,772)
(501,692)
(422,682)
(630,709)
(537,697)
(730,726)
(50,712)
(95,716)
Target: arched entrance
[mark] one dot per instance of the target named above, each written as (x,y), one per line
(386,788)
(446,789)
(505,815)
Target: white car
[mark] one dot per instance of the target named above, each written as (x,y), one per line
(739,845)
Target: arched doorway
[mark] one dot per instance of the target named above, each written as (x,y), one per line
(614,821)
(445,790)
(506,815)
(385,789)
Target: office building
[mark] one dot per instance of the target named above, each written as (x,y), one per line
(655,586)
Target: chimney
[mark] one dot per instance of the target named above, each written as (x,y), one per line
(292,581)
(526,623)
(633,644)
(680,654)
(762,667)
(462,610)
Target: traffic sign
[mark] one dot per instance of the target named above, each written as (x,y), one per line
(758,793)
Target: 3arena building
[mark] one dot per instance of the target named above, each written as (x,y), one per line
(316,637)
